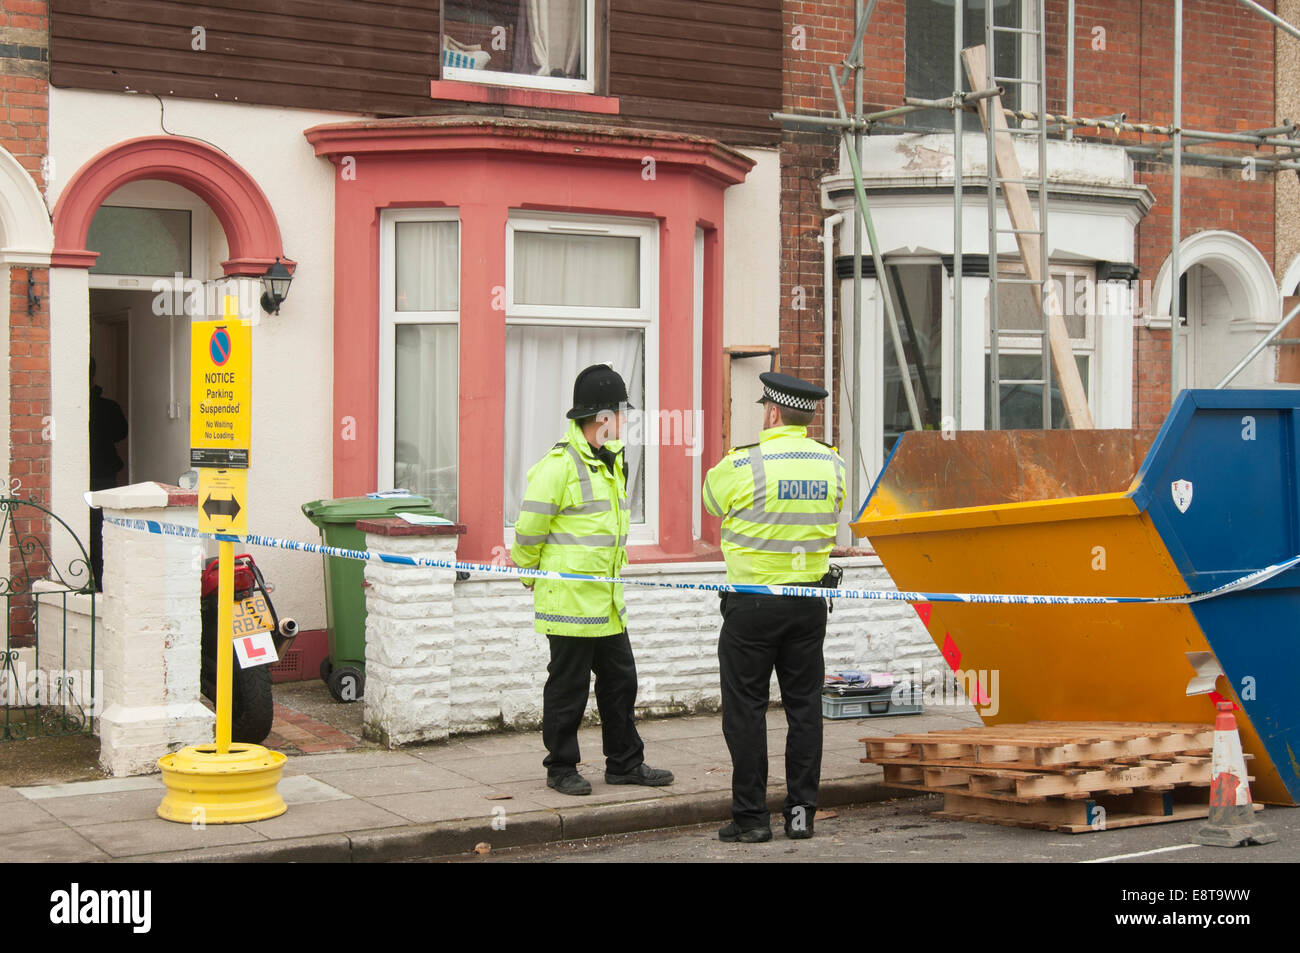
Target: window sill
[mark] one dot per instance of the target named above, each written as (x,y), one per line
(458,91)
(703,552)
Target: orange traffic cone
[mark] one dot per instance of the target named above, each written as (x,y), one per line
(1232,815)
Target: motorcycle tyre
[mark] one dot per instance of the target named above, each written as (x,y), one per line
(252,709)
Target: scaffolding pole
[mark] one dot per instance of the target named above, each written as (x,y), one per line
(1283,137)
(882,278)
(855,157)
(1271,16)
(1069,66)
(1175,308)
(958,122)
(1259,346)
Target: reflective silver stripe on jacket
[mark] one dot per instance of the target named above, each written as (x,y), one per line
(777,545)
(714,508)
(759,475)
(583,476)
(787,519)
(583,509)
(568,539)
(839,478)
(572,619)
(532,506)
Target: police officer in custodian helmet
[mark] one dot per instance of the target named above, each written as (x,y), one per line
(779,500)
(574,518)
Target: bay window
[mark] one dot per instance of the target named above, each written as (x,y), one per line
(580,291)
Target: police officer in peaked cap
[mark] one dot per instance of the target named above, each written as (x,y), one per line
(779,500)
(574,518)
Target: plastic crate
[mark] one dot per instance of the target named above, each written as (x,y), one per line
(868,706)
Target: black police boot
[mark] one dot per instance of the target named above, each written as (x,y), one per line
(800,830)
(745,835)
(641,774)
(570,783)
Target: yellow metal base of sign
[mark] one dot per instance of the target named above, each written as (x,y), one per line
(204,787)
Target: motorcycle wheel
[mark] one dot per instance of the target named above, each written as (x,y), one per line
(252,709)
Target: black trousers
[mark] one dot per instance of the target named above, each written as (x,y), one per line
(564,699)
(759,634)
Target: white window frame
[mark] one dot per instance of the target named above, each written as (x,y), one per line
(886,348)
(527,80)
(1086,345)
(644,317)
(390,317)
(160,195)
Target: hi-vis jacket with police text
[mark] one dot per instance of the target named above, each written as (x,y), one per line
(574,518)
(779,500)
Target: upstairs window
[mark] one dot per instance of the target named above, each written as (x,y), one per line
(543,44)
(929,53)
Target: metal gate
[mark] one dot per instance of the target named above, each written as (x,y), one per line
(48,681)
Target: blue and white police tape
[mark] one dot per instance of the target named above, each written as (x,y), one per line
(884,595)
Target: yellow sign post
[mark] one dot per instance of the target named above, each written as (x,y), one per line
(225,783)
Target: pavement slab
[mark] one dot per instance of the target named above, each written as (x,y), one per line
(329,817)
(58,845)
(455,804)
(393,779)
(128,838)
(369,803)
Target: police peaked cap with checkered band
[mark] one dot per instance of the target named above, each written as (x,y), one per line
(786,391)
(597,388)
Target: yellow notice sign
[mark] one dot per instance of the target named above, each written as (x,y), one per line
(223,501)
(220,392)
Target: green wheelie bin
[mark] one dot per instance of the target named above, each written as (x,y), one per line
(344,669)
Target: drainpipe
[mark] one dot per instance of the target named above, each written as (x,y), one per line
(827,238)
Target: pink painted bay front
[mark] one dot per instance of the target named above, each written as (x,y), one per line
(485,168)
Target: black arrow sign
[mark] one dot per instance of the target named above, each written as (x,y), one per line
(228,507)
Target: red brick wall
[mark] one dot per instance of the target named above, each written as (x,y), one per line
(24,125)
(1227,84)
(818,34)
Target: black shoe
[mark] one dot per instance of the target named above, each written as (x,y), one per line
(642,774)
(570,783)
(745,835)
(804,832)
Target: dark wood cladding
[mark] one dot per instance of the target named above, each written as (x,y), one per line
(350,55)
(701,66)
(698,66)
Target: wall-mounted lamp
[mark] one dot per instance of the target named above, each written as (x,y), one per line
(276,281)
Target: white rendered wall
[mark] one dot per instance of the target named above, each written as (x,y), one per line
(752,283)
(292,352)
(499,663)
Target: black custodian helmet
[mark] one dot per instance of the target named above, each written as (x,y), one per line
(597,388)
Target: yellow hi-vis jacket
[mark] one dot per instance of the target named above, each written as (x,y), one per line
(574,518)
(779,500)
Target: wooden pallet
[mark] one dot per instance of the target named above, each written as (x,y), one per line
(1040,745)
(1105,812)
(1035,786)
(1064,776)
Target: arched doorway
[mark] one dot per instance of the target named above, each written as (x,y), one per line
(199,213)
(1228,301)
